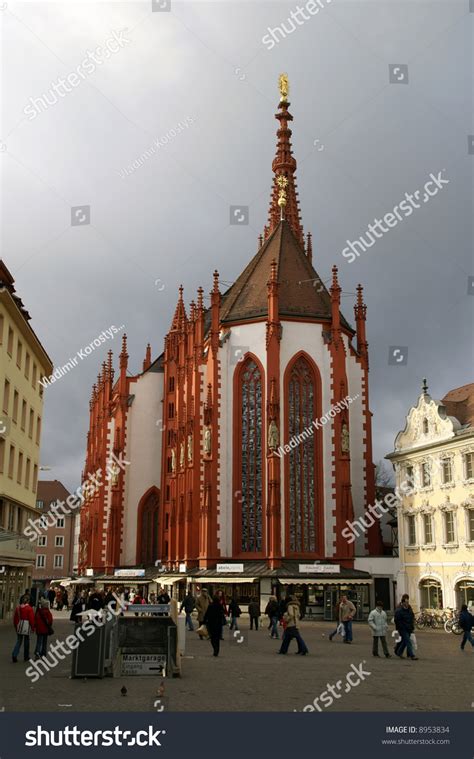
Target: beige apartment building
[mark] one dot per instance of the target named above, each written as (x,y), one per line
(23,362)
(436,520)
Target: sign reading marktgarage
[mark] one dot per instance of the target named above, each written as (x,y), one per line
(142,664)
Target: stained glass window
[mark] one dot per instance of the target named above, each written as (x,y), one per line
(251,458)
(301,459)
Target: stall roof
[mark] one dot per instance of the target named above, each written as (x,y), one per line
(223,580)
(324,580)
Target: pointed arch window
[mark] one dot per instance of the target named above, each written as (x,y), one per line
(251,458)
(302,474)
(147,538)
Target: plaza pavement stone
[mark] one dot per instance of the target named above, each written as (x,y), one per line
(251,676)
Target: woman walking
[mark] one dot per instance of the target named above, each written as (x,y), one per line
(24,623)
(214,620)
(292,617)
(44,627)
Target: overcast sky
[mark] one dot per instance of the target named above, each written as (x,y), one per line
(361,143)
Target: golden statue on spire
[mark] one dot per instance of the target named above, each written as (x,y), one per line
(282,183)
(284,87)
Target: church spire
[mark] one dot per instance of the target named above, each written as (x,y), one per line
(284,198)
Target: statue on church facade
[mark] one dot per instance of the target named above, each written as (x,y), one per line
(273,436)
(207,441)
(345,438)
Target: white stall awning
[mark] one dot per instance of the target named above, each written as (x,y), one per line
(222,580)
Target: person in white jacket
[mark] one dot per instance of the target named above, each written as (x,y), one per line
(378,624)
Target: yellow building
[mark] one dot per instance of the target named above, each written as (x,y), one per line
(23,362)
(435,455)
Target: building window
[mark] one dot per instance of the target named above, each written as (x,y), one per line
(251,458)
(425,475)
(31,423)
(171,384)
(42,540)
(39,504)
(431,594)
(41,561)
(15,406)
(446,471)
(167,521)
(167,493)
(11,461)
(409,472)
(11,518)
(33,376)
(27,365)
(449,527)
(59,541)
(171,410)
(469,466)
(1,329)
(19,473)
(19,353)
(10,342)
(148,529)
(411,530)
(58,560)
(60,522)
(428,528)
(2,455)
(23,414)
(301,459)
(27,473)
(38,431)
(470,525)
(35,477)
(6,397)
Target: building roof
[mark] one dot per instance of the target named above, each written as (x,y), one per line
(460,404)
(51,490)
(301,292)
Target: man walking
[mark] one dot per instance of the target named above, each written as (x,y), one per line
(347,612)
(405,624)
(466,623)
(188,604)
(378,624)
(254,613)
(24,623)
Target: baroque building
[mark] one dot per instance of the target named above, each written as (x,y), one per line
(232,478)
(434,463)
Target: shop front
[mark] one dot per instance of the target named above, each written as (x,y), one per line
(319,600)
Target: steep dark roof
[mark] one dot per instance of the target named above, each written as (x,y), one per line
(460,403)
(301,292)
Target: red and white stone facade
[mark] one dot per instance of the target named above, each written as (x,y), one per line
(236,381)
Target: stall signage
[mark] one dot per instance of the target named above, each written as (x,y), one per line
(323,569)
(182,568)
(143,664)
(230,568)
(89,573)
(129,573)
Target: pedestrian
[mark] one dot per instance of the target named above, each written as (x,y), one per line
(51,597)
(234,613)
(65,599)
(221,597)
(24,624)
(378,624)
(95,601)
(466,623)
(347,612)
(405,624)
(271,610)
(403,598)
(202,602)
(79,606)
(214,620)
(339,626)
(291,618)
(254,613)
(43,627)
(188,604)
(163,597)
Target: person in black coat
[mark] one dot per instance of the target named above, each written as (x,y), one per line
(214,620)
(96,601)
(466,623)
(405,624)
(79,605)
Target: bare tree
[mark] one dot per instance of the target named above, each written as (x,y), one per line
(384,474)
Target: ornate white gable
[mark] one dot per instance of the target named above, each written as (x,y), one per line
(426,423)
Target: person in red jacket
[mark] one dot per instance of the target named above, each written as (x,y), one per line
(43,625)
(24,624)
